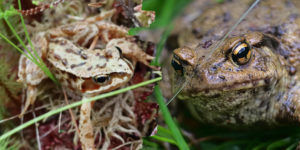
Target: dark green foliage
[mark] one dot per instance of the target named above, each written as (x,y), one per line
(8,85)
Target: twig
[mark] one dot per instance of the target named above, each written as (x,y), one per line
(93,45)
(16,116)
(37,131)
(44,135)
(22,119)
(200,140)
(129,12)
(72,116)
(59,120)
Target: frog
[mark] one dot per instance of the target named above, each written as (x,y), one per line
(70,52)
(249,79)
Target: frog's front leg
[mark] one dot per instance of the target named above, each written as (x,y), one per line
(85,126)
(132,51)
(29,73)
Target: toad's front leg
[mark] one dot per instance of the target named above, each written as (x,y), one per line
(85,126)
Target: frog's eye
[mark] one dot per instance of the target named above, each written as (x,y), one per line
(241,53)
(177,66)
(101,79)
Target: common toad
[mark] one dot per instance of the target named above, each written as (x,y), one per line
(253,76)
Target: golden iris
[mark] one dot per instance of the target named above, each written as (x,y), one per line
(241,53)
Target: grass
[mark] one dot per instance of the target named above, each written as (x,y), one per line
(56,111)
(9,144)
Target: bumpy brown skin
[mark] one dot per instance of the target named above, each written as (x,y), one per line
(265,90)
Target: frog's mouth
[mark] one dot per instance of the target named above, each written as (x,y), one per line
(217,92)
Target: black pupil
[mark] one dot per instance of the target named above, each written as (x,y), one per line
(177,67)
(101,79)
(243,52)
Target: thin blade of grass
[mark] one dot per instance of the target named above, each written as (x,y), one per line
(53,112)
(19,39)
(32,58)
(169,120)
(45,69)
(9,144)
(161,43)
(8,41)
(293,146)
(163,132)
(149,143)
(263,145)
(164,139)
(280,143)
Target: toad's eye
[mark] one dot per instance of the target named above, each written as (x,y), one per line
(241,53)
(177,66)
(101,79)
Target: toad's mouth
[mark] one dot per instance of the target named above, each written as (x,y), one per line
(217,92)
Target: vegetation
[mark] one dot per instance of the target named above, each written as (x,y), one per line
(210,137)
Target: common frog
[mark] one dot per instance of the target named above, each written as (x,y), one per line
(83,71)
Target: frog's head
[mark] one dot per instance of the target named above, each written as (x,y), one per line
(88,71)
(241,68)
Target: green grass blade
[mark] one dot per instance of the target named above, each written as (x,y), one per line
(15,46)
(280,143)
(293,146)
(164,139)
(39,118)
(44,68)
(263,145)
(169,121)
(32,58)
(161,43)
(149,143)
(230,144)
(9,144)
(163,132)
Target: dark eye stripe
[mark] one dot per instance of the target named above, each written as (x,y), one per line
(177,66)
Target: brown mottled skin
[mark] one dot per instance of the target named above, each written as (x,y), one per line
(265,90)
